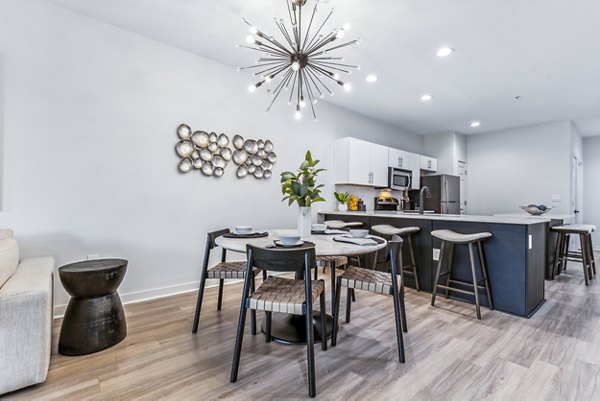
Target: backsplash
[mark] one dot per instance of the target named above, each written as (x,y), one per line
(365,193)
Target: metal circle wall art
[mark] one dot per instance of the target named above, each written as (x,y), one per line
(210,153)
(253,158)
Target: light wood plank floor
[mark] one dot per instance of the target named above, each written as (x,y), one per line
(450,355)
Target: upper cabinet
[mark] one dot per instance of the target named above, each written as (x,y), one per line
(400,159)
(360,162)
(428,163)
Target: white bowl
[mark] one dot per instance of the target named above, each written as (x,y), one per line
(319,227)
(359,233)
(243,230)
(289,239)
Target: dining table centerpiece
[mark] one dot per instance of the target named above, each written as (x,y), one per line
(301,187)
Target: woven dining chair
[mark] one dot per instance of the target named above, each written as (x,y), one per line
(356,278)
(278,294)
(222,271)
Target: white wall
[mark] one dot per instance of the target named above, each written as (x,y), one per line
(1,126)
(90,169)
(519,166)
(591,178)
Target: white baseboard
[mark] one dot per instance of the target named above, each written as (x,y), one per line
(154,293)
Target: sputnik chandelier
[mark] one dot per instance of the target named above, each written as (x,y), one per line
(302,62)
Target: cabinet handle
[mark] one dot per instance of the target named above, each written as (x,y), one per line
(399,162)
(429,164)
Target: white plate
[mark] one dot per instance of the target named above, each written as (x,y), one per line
(280,243)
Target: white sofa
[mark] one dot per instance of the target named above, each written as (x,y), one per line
(26,303)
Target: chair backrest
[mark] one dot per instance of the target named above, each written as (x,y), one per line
(283,259)
(212,236)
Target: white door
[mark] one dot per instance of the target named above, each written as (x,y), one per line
(462,173)
(359,169)
(379,165)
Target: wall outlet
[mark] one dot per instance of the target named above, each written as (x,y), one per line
(90,257)
(556,198)
(436,254)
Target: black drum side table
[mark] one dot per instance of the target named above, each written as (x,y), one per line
(94,319)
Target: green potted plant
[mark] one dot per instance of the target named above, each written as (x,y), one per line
(301,188)
(342,199)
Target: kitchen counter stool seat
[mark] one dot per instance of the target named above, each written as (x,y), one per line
(406,234)
(564,255)
(453,238)
(342,225)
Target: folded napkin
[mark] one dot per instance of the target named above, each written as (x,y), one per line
(331,232)
(355,241)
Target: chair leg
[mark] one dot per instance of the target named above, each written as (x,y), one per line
(199,302)
(475,290)
(336,312)
(310,351)
(485,275)
(268,326)
(237,351)
(253,311)
(437,273)
(565,252)
(316,273)
(400,266)
(557,255)
(323,325)
(591,251)
(585,249)
(332,288)
(348,304)
(398,318)
(450,259)
(584,261)
(414,264)
(220,299)
(353,295)
(403,309)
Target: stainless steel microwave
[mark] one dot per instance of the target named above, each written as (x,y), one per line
(399,179)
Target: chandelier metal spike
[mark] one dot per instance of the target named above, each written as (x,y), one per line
(301,61)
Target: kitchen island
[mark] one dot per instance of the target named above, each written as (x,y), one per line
(516,254)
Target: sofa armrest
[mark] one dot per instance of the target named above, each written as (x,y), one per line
(26,307)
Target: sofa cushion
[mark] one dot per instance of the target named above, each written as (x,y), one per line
(9,257)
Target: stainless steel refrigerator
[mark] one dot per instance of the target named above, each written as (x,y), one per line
(445,193)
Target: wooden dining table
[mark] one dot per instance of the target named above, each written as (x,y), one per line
(290,329)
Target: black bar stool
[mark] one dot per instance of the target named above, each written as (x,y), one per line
(453,238)
(585,257)
(406,234)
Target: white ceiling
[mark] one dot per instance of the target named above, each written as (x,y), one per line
(546,51)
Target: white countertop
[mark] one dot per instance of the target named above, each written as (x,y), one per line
(548,215)
(517,219)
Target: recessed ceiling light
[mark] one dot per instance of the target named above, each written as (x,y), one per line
(371,78)
(426,98)
(474,124)
(444,51)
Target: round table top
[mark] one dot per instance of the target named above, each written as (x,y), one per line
(324,244)
(92,265)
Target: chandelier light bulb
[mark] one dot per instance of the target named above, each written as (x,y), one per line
(268,79)
(253,30)
(302,103)
(250,40)
(336,76)
(298,115)
(295,66)
(347,87)
(341,33)
(347,26)
(251,88)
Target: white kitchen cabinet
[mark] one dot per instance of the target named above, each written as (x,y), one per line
(415,162)
(400,159)
(359,162)
(428,163)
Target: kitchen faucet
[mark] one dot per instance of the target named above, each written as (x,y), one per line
(424,189)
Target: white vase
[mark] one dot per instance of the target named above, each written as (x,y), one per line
(304,221)
(342,207)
